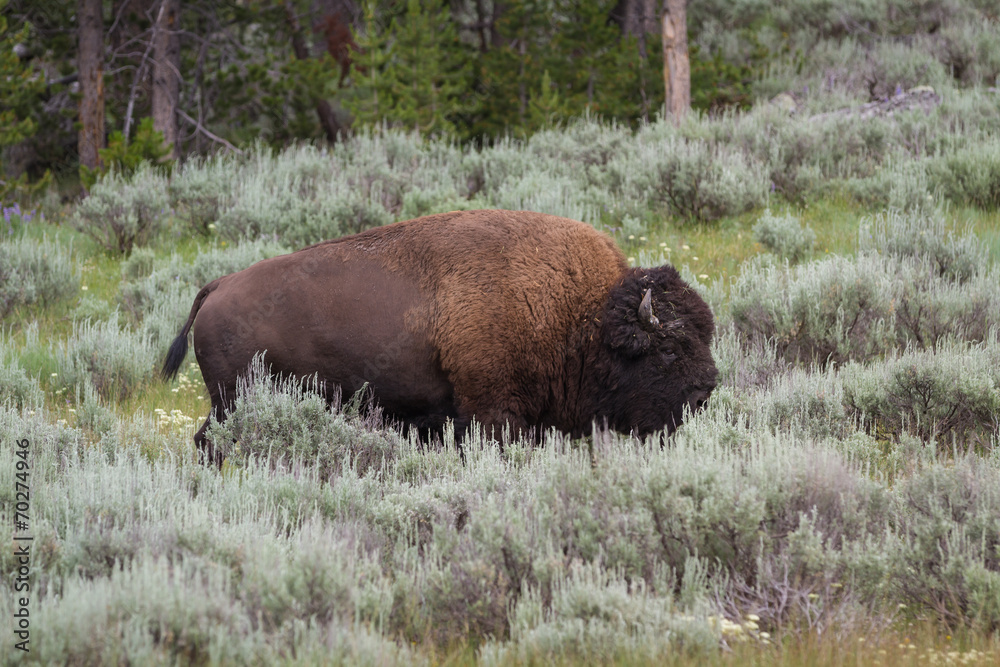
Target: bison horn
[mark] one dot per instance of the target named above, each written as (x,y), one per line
(646,309)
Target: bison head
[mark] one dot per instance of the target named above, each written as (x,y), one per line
(656,334)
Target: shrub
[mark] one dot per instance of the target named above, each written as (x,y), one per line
(950,394)
(593,615)
(948,556)
(912,283)
(834,309)
(930,309)
(90,307)
(121,212)
(146,150)
(199,190)
(695,179)
(284,420)
(902,184)
(924,237)
(970,175)
(91,413)
(17,388)
(809,402)
(784,236)
(138,265)
(33,271)
(116,361)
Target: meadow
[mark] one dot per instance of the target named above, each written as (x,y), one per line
(837,502)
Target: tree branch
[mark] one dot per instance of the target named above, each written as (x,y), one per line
(214,137)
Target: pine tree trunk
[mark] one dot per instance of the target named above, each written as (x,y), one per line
(166,72)
(328,119)
(676,63)
(639,18)
(90,60)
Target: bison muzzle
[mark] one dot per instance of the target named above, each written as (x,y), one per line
(513,319)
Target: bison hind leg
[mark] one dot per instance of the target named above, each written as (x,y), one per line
(208,452)
(206,448)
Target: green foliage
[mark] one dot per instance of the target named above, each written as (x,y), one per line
(591,69)
(124,211)
(694,179)
(127,158)
(784,236)
(35,272)
(417,75)
(926,238)
(21,87)
(718,84)
(138,265)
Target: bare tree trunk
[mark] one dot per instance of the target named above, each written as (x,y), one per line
(676,63)
(328,119)
(90,62)
(166,72)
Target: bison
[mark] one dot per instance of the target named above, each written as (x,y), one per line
(512,318)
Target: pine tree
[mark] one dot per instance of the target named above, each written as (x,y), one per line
(370,100)
(20,88)
(512,71)
(413,75)
(20,105)
(546,108)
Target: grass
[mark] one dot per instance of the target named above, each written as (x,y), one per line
(374,549)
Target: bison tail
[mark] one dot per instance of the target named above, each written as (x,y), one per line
(178,349)
(175,356)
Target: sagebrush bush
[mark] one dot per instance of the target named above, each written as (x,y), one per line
(955,256)
(33,271)
(947,395)
(694,179)
(138,265)
(198,191)
(970,175)
(948,556)
(17,388)
(284,420)
(116,360)
(902,184)
(832,309)
(784,236)
(912,283)
(124,212)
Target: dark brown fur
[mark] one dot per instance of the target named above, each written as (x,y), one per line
(511,318)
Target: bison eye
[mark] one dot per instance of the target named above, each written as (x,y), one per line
(667,358)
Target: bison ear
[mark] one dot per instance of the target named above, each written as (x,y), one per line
(646,315)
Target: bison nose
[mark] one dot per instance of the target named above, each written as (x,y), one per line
(698,399)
